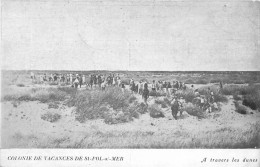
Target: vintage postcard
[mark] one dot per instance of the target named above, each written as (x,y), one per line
(130,83)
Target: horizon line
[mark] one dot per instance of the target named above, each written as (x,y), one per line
(136,70)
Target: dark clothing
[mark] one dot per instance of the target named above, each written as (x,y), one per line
(80,81)
(145,93)
(133,87)
(76,85)
(55,78)
(145,86)
(175,108)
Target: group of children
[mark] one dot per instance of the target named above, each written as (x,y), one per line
(161,86)
(205,102)
(77,80)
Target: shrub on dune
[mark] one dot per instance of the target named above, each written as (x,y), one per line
(51,117)
(194,110)
(9,97)
(53,83)
(125,115)
(240,108)
(132,99)
(188,95)
(43,95)
(48,95)
(241,90)
(190,81)
(161,102)
(89,105)
(156,93)
(141,108)
(20,85)
(155,111)
(252,101)
(118,117)
(215,80)
(68,90)
(217,95)
(239,82)
(125,81)
(202,81)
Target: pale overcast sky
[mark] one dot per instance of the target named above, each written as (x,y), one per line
(130,35)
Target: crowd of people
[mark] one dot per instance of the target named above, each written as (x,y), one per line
(204,102)
(78,80)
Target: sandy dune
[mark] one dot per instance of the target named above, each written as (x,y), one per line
(22,127)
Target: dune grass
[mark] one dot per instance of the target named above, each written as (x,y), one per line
(241,109)
(51,117)
(250,94)
(89,104)
(163,103)
(194,111)
(187,94)
(112,105)
(219,97)
(43,95)
(155,111)
(223,137)
(20,85)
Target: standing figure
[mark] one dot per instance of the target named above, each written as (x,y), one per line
(114,81)
(80,80)
(103,85)
(153,86)
(99,80)
(145,94)
(83,79)
(123,87)
(220,86)
(119,82)
(132,87)
(76,82)
(71,79)
(175,107)
(32,76)
(91,81)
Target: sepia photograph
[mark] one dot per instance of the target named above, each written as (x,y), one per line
(148,74)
